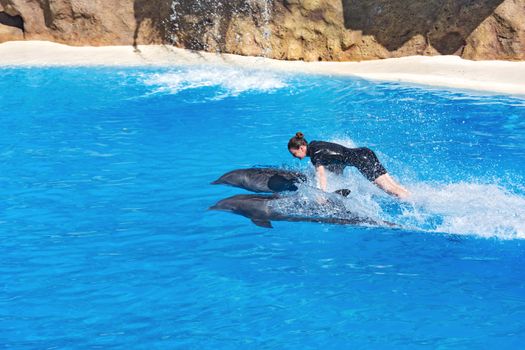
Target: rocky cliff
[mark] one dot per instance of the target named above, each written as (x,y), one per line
(332,30)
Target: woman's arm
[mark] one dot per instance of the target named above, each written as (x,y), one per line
(321,177)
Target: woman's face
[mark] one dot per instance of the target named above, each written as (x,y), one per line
(299,152)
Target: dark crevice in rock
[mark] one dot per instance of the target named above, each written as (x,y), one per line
(156,12)
(48,14)
(449,44)
(12,21)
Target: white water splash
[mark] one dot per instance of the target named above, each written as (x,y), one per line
(468,208)
(266,17)
(226,81)
(174,22)
(345,142)
(215,14)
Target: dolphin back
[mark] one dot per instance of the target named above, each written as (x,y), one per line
(260,210)
(266,180)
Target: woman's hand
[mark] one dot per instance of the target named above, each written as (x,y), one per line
(321,177)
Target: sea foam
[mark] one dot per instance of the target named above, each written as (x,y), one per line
(226,82)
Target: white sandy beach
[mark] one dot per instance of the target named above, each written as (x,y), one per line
(444,71)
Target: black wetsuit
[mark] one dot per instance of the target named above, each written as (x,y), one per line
(335,158)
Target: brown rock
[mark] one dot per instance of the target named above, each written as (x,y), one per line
(285,29)
(501,35)
(8,33)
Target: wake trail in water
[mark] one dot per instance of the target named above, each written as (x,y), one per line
(467,208)
(484,210)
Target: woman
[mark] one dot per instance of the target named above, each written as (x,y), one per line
(334,157)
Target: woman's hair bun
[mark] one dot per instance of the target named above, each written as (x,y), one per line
(297,141)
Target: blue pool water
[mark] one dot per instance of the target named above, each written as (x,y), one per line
(107,243)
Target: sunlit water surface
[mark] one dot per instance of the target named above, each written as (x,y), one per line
(106,240)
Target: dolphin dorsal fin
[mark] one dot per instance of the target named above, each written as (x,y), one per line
(262,223)
(345,192)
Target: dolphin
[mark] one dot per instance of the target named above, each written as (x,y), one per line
(261,210)
(270,180)
(262,179)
